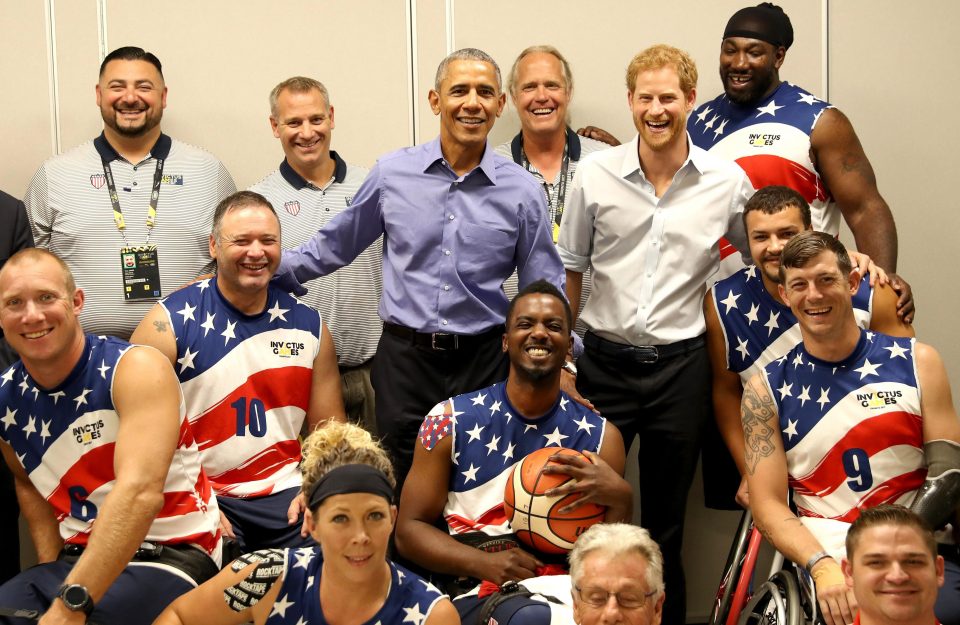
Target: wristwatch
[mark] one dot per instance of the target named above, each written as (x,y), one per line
(569,367)
(76,598)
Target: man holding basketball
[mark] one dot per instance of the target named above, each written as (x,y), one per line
(472,442)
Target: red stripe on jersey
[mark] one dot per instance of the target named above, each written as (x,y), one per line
(888,492)
(767,169)
(872,435)
(276,388)
(92,470)
(206,540)
(260,466)
(495,516)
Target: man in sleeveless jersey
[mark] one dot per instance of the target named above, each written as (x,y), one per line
(781,134)
(472,442)
(749,325)
(256,365)
(848,419)
(107,471)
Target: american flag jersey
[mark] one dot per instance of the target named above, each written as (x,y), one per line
(489,438)
(758,329)
(246,380)
(851,430)
(410,600)
(65,439)
(770,140)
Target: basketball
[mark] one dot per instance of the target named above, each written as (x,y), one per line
(535,517)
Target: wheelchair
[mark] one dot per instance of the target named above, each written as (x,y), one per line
(786,597)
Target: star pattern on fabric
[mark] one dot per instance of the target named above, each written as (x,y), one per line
(804,395)
(207,324)
(730,302)
(470,474)
(187,312)
(303,556)
(563,403)
(508,453)
(81,399)
(868,368)
(6,377)
(228,333)
(752,314)
(806,98)
(9,419)
(742,348)
(791,429)
(493,445)
(797,361)
(704,113)
(277,313)
(479,399)
(555,438)
(583,424)
(203,284)
(719,130)
(56,396)
(31,427)
(824,397)
(751,271)
(103,368)
(495,407)
(896,351)
(784,390)
(45,430)
(413,615)
(281,605)
(186,362)
(475,432)
(771,323)
(770,109)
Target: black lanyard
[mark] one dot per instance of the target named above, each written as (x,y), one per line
(554,204)
(115,201)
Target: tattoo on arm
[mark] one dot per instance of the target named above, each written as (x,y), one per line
(758,415)
(161,326)
(856,163)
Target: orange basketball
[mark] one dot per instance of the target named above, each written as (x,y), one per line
(535,517)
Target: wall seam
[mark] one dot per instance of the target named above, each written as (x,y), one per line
(53,76)
(451,33)
(825,49)
(413,75)
(102,29)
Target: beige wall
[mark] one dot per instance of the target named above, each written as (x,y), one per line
(221,57)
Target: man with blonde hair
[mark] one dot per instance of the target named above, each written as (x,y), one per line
(616,568)
(647,216)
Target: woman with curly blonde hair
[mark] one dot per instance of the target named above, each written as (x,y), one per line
(348,485)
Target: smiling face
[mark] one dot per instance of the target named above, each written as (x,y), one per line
(353,530)
(38,312)
(660,107)
(247,252)
(303,123)
(749,68)
(768,234)
(537,336)
(131,96)
(894,576)
(541,94)
(820,295)
(468,102)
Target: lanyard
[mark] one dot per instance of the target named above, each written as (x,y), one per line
(115,201)
(554,202)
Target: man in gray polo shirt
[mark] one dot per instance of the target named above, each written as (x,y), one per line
(129,211)
(312,186)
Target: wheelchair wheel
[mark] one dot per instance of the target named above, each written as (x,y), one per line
(732,571)
(776,602)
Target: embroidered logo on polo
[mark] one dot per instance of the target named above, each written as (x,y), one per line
(348,200)
(98,181)
(174,179)
(292,207)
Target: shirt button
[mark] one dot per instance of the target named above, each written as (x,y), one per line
(134,183)
(446,287)
(446,252)
(451,217)
(444,322)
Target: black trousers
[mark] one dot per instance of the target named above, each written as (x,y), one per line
(666,403)
(410,379)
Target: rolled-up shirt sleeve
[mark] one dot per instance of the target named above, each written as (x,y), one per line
(575,241)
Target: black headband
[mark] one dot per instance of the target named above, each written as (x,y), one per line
(350,478)
(766,22)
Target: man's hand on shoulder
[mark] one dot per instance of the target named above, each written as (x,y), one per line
(905,304)
(598,134)
(568,384)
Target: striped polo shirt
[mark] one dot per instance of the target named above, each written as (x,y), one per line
(347,298)
(69,206)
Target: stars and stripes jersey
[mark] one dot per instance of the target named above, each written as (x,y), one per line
(852,431)
(246,380)
(65,439)
(410,600)
(757,328)
(770,140)
(490,437)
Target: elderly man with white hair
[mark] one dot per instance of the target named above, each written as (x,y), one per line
(616,571)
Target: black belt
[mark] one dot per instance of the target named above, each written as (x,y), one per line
(642,354)
(191,560)
(441,341)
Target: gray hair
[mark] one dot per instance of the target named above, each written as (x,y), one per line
(615,540)
(465,54)
(543,49)
(297,84)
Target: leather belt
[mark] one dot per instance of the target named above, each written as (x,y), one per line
(441,341)
(642,354)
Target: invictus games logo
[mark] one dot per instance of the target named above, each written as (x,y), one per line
(174,179)
(759,141)
(876,401)
(348,200)
(98,180)
(87,433)
(292,207)
(286,349)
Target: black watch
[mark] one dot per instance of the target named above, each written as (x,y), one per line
(76,598)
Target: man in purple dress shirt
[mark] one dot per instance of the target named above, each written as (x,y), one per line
(456,220)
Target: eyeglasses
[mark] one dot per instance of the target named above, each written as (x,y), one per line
(626,599)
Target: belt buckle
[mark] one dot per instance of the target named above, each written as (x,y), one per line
(443,338)
(148,551)
(646,354)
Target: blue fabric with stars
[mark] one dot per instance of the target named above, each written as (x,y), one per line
(490,437)
(852,431)
(199,310)
(409,602)
(757,328)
